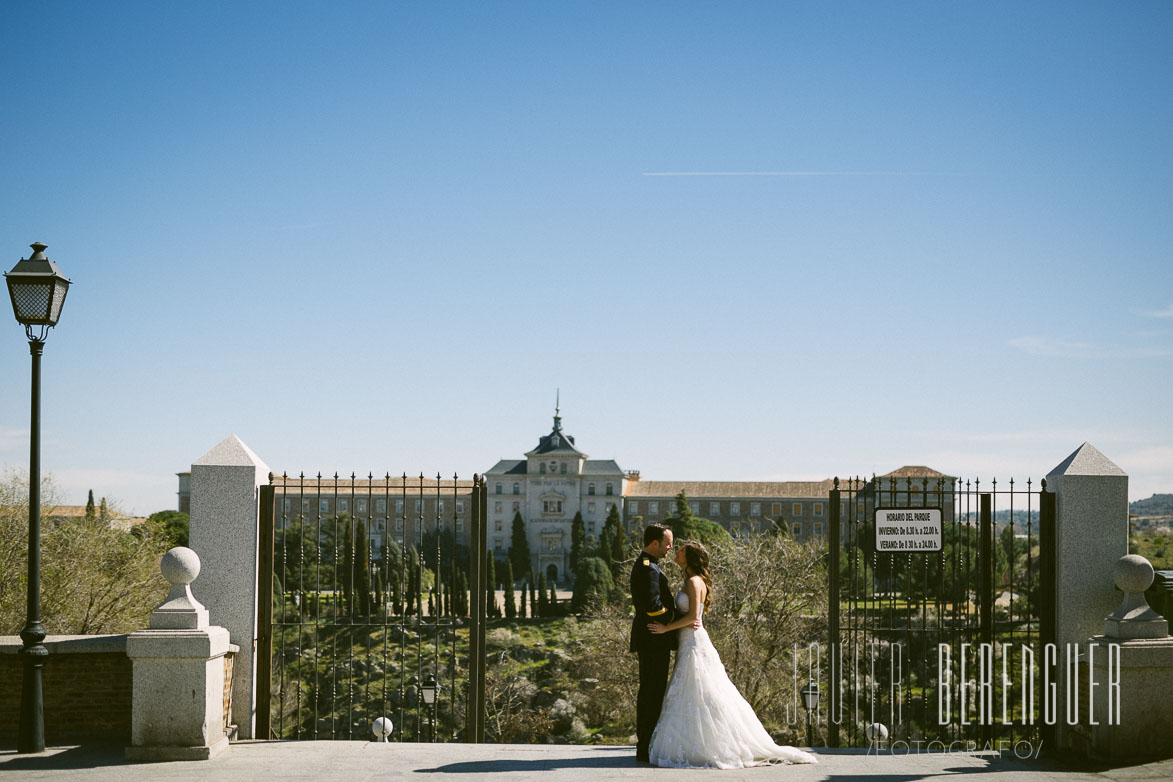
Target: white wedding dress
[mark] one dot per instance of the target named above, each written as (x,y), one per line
(705,723)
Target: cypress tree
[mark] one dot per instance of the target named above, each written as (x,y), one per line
(510,599)
(552,605)
(490,586)
(543,610)
(91,511)
(533,598)
(519,553)
(361,577)
(103,514)
(577,540)
(524,599)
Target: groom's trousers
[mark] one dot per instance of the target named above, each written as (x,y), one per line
(653,681)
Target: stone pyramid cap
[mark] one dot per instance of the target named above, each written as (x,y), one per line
(231,452)
(1086,460)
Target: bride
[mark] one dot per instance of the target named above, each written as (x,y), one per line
(705,723)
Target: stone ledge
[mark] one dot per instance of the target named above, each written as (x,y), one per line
(164,754)
(70,644)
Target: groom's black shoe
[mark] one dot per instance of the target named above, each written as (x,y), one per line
(642,757)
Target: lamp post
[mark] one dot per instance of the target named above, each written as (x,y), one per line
(810,701)
(428,688)
(37,288)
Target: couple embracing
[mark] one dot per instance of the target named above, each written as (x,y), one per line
(698,719)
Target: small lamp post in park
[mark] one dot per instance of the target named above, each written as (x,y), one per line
(810,701)
(428,689)
(37,289)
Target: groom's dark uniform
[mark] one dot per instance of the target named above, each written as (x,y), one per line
(653,603)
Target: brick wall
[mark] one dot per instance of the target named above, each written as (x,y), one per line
(86,687)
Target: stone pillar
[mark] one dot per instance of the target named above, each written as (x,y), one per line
(224,531)
(177,708)
(1134,719)
(1091,534)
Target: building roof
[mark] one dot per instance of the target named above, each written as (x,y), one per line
(311,484)
(701,490)
(556,441)
(508,467)
(602,467)
(916,471)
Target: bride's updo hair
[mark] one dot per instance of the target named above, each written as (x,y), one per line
(697,559)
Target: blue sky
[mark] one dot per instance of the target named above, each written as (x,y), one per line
(747,240)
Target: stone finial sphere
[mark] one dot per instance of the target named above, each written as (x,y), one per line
(181,565)
(1133,573)
(381,727)
(877,731)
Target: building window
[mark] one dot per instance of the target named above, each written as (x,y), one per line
(360,506)
(497,525)
(399,525)
(459,526)
(735,509)
(776,509)
(440,506)
(796,529)
(591,527)
(343,506)
(496,544)
(562,468)
(459,506)
(755,509)
(796,509)
(818,509)
(419,506)
(591,489)
(516,506)
(498,489)
(610,490)
(633,507)
(419,524)
(305,505)
(551,545)
(324,506)
(542,468)
(517,488)
(714,509)
(380,506)
(695,507)
(653,507)
(818,529)
(497,507)
(552,506)
(590,507)
(399,506)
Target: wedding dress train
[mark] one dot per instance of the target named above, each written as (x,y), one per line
(705,723)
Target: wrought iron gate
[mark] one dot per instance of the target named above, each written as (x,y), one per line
(371,605)
(917,639)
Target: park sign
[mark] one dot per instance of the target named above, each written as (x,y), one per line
(908,530)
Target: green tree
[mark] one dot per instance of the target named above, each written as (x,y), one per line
(361,567)
(103,512)
(94,578)
(510,598)
(687,526)
(519,552)
(172,523)
(592,584)
(577,540)
(491,586)
(543,607)
(91,511)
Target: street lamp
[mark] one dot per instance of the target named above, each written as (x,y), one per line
(810,701)
(428,689)
(37,288)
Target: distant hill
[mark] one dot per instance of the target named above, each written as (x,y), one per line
(1157,505)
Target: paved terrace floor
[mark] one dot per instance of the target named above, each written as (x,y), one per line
(357,761)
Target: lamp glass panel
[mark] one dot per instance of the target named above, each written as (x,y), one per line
(31,300)
(60,288)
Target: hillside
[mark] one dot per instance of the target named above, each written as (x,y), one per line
(1157,505)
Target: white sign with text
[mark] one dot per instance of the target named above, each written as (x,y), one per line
(908,530)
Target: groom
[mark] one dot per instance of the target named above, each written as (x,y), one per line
(653,603)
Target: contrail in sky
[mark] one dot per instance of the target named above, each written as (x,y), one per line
(804,173)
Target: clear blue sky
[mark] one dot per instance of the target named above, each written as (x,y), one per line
(377,236)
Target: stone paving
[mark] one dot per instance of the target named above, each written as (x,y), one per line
(357,761)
